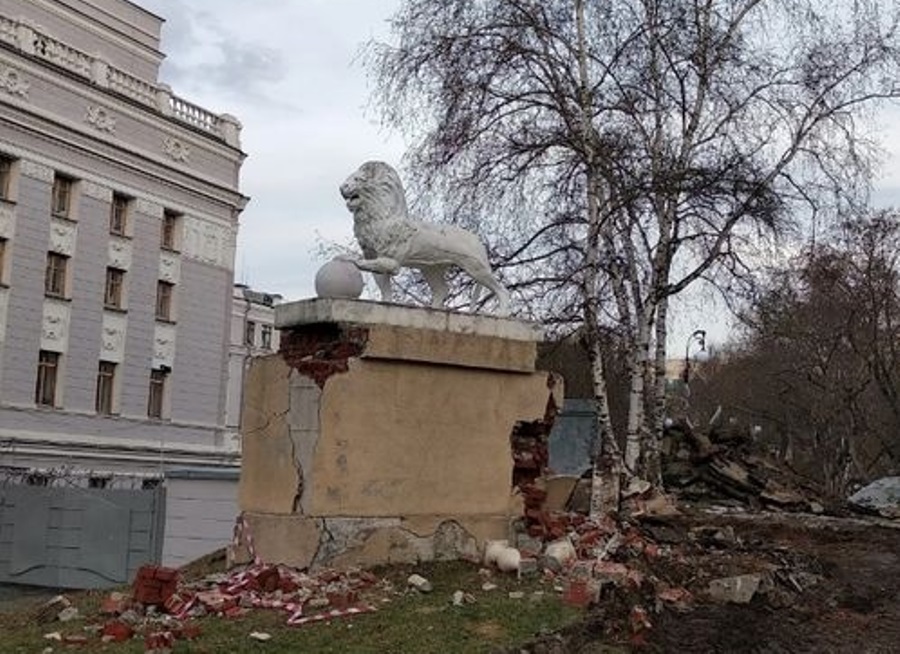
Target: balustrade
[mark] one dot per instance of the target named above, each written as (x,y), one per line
(32,41)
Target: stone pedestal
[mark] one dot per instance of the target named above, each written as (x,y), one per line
(381,433)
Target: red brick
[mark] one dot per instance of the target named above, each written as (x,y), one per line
(117,631)
(154,584)
(188,631)
(268,579)
(342,600)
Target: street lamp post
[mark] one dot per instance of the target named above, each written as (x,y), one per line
(699,336)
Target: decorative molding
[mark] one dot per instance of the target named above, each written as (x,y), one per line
(149,207)
(209,242)
(101,118)
(119,253)
(96,191)
(12,82)
(169,267)
(164,345)
(63,235)
(7,221)
(55,326)
(36,170)
(112,337)
(176,150)
(4,312)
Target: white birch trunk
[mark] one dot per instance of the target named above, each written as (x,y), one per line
(654,442)
(606,473)
(606,468)
(636,418)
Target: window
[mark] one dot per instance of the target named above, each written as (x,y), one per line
(250,333)
(62,196)
(38,479)
(169,235)
(45,389)
(55,277)
(118,214)
(157,393)
(98,482)
(106,377)
(115,282)
(164,292)
(151,483)
(265,335)
(5,178)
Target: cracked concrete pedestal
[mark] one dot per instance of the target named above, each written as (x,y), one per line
(381,433)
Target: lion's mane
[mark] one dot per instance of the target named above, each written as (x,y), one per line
(381,217)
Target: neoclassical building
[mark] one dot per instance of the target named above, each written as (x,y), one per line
(119,206)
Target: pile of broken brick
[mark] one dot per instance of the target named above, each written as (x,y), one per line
(162,608)
(652,556)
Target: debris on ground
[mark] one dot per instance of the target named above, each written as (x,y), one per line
(420,583)
(728,464)
(50,610)
(739,589)
(882,497)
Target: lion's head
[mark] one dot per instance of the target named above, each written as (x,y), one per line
(375,193)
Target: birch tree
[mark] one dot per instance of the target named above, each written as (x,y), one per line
(615,153)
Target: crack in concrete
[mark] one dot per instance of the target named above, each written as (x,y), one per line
(268,423)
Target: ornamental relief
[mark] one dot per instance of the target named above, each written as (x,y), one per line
(55,326)
(36,170)
(176,150)
(169,267)
(13,82)
(112,338)
(101,119)
(149,207)
(7,221)
(96,191)
(164,346)
(119,253)
(4,312)
(209,242)
(62,237)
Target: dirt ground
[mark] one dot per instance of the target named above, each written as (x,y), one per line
(830,585)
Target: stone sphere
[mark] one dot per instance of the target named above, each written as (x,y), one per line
(339,279)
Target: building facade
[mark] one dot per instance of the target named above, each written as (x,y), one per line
(119,204)
(253,334)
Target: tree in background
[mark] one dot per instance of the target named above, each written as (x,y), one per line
(617,152)
(819,367)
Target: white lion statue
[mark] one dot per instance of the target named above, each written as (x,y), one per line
(391,240)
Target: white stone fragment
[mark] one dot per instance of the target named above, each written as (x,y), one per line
(420,583)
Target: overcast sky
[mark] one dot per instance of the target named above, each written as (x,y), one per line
(290,71)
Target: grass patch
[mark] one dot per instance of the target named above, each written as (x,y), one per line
(406,621)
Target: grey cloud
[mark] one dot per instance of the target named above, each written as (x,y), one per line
(227,63)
